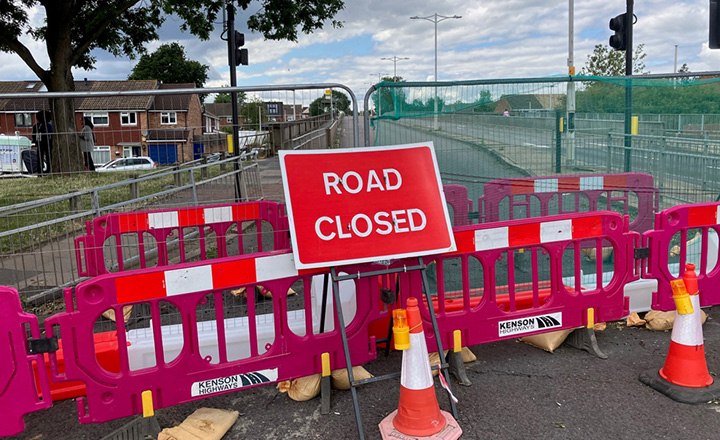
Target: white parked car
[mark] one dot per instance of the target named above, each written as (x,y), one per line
(128,164)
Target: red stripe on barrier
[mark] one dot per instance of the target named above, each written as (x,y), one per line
(140,287)
(191,217)
(587,227)
(520,235)
(233,273)
(133,222)
(465,241)
(615,182)
(522,187)
(246,212)
(706,215)
(569,184)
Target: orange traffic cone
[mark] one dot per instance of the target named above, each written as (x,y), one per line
(418,414)
(685,376)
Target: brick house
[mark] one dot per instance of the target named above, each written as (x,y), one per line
(162,127)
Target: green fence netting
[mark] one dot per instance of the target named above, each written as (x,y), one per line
(489,129)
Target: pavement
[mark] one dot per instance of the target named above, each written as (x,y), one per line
(518,392)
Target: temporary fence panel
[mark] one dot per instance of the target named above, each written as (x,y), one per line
(131,236)
(457,197)
(193,374)
(508,199)
(674,242)
(18,392)
(482,291)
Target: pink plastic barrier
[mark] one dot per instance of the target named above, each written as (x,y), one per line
(18,394)
(488,314)
(457,197)
(116,228)
(523,193)
(668,223)
(190,376)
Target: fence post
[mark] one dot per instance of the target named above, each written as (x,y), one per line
(703,172)
(609,153)
(76,204)
(661,172)
(134,188)
(178,176)
(95,202)
(558,142)
(203,170)
(192,184)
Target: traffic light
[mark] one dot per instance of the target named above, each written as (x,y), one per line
(714,40)
(619,40)
(241,55)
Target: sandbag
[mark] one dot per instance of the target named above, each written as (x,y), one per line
(203,424)
(302,388)
(662,321)
(548,341)
(340,380)
(110,313)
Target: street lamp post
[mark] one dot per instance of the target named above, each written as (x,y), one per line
(435,18)
(395,59)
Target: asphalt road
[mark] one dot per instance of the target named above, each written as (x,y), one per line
(518,392)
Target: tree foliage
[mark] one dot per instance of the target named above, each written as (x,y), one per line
(604,61)
(169,65)
(340,102)
(227,97)
(252,112)
(72,29)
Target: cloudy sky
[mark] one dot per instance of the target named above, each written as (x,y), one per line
(493,39)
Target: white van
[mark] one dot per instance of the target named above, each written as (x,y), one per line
(11,148)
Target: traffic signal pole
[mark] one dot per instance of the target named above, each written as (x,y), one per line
(628,84)
(233,96)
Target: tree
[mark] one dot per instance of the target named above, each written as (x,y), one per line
(340,102)
(73,28)
(227,97)
(169,65)
(609,62)
(250,111)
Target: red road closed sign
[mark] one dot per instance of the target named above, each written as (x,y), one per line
(364,204)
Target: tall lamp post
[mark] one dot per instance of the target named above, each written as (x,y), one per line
(435,18)
(395,59)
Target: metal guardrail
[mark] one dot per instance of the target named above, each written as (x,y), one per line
(38,258)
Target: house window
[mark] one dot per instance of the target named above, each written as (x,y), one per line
(23,120)
(101,155)
(168,118)
(127,118)
(98,119)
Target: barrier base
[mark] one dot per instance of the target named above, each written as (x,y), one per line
(451,431)
(140,428)
(457,368)
(652,379)
(584,339)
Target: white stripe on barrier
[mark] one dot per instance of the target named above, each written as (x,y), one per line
(717,215)
(687,329)
(494,238)
(191,279)
(218,215)
(546,185)
(555,231)
(167,219)
(277,266)
(592,183)
(416,374)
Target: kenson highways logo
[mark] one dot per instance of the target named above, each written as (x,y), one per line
(529,324)
(220,384)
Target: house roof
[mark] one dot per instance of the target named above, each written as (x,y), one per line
(173,102)
(522,102)
(81,104)
(221,109)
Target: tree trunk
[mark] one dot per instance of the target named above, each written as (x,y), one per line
(66,155)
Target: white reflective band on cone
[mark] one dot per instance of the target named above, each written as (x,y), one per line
(687,329)
(416,374)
